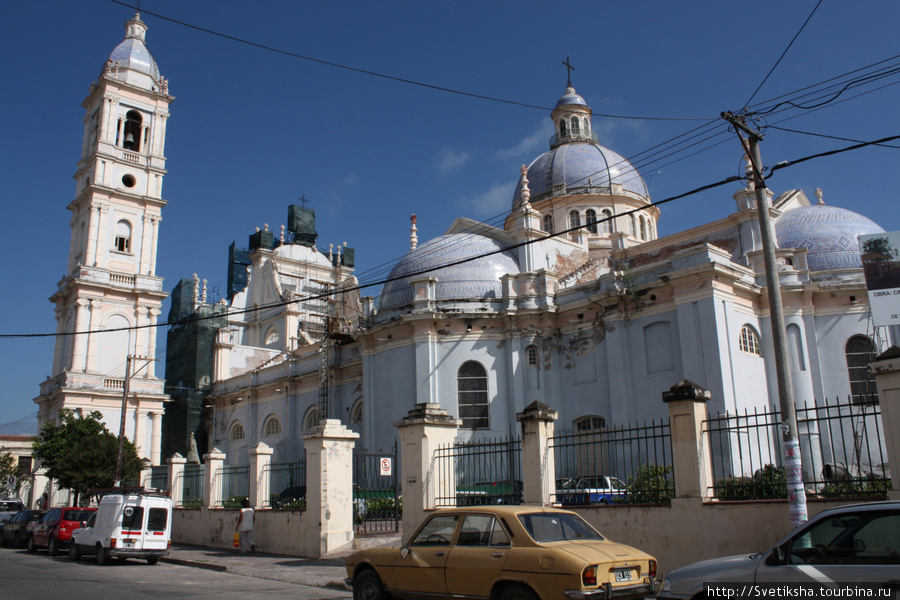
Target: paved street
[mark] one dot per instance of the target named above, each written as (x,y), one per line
(37,576)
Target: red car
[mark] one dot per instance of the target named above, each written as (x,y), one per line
(55,530)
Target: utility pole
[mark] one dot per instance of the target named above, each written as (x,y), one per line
(125,388)
(789,439)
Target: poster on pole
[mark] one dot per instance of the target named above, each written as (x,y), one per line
(880,253)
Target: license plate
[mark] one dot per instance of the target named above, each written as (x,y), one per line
(623,574)
(130,544)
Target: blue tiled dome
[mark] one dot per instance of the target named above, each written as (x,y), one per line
(579,166)
(475,279)
(569,98)
(132,53)
(828,233)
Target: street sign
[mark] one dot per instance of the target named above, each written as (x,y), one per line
(386,466)
(11,481)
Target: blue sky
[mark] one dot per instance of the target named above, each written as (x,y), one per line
(251,130)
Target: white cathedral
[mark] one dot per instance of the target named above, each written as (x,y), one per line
(596,322)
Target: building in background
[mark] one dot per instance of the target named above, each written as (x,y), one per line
(109,300)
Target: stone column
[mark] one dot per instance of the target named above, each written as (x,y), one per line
(90,249)
(79,346)
(156,440)
(260,457)
(690,458)
(426,428)
(538,458)
(176,478)
(154,237)
(329,486)
(214,462)
(93,340)
(886,369)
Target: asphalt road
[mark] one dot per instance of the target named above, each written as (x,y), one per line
(25,576)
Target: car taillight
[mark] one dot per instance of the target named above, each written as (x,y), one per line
(112,543)
(589,577)
(652,569)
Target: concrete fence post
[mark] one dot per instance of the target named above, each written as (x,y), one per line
(538,458)
(176,478)
(329,486)
(260,457)
(690,458)
(422,431)
(886,369)
(214,461)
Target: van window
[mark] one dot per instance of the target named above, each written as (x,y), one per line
(133,517)
(77,515)
(157,519)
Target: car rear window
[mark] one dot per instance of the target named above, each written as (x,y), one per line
(157,519)
(77,515)
(554,527)
(10,505)
(133,517)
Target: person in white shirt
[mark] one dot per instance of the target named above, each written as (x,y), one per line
(245,527)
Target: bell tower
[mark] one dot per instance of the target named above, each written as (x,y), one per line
(109,299)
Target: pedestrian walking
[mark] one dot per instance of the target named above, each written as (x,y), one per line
(245,527)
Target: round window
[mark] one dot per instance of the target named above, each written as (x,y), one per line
(129,180)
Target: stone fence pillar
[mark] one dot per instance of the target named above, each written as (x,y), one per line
(260,457)
(690,458)
(538,458)
(422,431)
(886,369)
(176,478)
(329,486)
(214,461)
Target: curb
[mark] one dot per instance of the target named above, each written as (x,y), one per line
(194,563)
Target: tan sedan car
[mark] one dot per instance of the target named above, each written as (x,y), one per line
(503,553)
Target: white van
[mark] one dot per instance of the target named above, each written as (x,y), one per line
(127,525)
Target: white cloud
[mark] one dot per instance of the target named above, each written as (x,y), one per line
(497,200)
(451,161)
(530,145)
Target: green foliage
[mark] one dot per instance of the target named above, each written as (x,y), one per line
(81,453)
(769,482)
(880,246)
(651,485)
(234,502)
(857,487)
(8,466)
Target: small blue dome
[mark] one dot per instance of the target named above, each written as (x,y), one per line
(828,233)
(475,279)
(570,97)
(132,53)
(579,166)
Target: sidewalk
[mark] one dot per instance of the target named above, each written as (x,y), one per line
(326,572)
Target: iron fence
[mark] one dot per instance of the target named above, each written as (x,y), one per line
(376,495)
(841,447)
(192,484)
(159,478)
(287,484)
(621,465)
(479,473)
(235,485)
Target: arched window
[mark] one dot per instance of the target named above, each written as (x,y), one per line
(237,432)
(590,423)
(311,420)
(123,236)
(472,393)
(272,427)
(860,351)
(132,140)
(356,413)
(590,218)
(576,126)
(531,355)
(574,221)
(548,223)
(562,128)
(607,220)
(749,341)
(631,226)
(643,229)
(272,336)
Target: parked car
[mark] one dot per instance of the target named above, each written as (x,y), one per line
(849,544)
(8,508)
(54,531)
(591,489)
(126,525)
(506,552)
(17,530)
(490,492)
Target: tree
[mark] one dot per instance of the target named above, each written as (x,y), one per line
(81,453)
(7,467)
(881,245)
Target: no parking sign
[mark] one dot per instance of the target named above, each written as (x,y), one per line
(385,466)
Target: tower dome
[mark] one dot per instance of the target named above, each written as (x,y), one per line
(132,57)
(576,162)
(828,233)
(475,279)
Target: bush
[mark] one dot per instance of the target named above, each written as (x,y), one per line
(651,485)
(769,482)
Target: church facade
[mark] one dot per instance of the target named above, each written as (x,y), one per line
(109,301)
(576,302)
